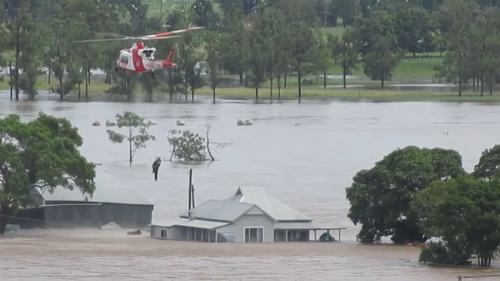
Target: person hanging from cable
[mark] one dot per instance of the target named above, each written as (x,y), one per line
(156,166)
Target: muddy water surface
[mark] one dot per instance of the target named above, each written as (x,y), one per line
(305,154)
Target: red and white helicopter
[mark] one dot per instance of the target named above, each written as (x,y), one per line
(139,58)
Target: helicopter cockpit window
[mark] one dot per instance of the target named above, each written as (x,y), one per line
(124,59)
(148,53)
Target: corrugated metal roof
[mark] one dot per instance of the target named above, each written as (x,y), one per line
(102,194)
(304,225)
(203,224)
(169,223)
(220,210)
(272,206)
(295,225)
(195,223)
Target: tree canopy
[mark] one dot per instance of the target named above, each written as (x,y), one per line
(413,194)
(380,197)
(257,40)
(42,153)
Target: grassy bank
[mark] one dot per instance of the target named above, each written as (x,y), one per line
(308,93)
(236,92)
(345,94)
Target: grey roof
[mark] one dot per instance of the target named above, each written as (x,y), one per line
(220,210)
(195,223)
(303,225)
(272,206)
(169,223)
(203,224)
(102,194)
(245,198)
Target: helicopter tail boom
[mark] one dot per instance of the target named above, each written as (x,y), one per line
(171,55)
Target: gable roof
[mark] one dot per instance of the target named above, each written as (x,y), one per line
(244,200)
(102,194)
(269,204)
(220,210)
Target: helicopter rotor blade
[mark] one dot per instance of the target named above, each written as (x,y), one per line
(159,38)
(103,40)
(127,39)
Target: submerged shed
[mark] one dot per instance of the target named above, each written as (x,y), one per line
(126,206)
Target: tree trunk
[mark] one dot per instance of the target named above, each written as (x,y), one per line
(382,79)
(344,73)
(285,76)
(460,86)
(491,84)
(18,34)
(10,79)
(213,92)
(256,93)
(170,85)
(79,91)
(130,156)
(299,77)
(87,82)
(5,214)
(192,94)
(482,83)
(271,96)
(279,86)
(474,83)
(50,71)
(61,85)
(324,80)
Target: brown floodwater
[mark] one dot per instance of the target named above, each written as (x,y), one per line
(305,154)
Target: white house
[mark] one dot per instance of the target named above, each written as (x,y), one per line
(251,215)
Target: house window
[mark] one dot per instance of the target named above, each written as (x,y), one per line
(163,233)
(254,234)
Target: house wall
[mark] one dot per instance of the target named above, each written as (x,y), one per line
(29,218)
(67,216)
(250,220)
(126,216)
(173,233)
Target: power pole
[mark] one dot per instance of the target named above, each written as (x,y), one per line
(190,192)
(192,196)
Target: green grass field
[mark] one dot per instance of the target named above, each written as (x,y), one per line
(97,88)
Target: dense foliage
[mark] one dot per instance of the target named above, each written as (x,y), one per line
(42,154)
(413,194)
(259,40)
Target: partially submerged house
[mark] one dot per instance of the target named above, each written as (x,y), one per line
(126,206)
(250,215)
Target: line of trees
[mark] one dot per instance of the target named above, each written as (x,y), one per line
(259,40)
(414,194)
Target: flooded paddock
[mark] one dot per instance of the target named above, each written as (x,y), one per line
(305,154)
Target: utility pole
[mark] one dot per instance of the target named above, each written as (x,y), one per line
(190,192)
(192,196)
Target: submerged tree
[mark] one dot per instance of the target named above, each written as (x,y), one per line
(137,135)
(43,154)
(188,146)
(465,213)
(380,197)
